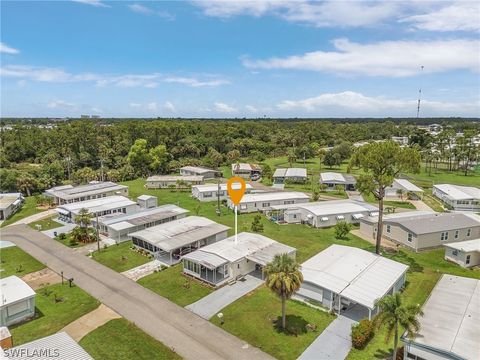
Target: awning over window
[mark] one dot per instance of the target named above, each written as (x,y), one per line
(357,216)
(340,217)
(324,218)
(63,212)
(374,213)
(309,216)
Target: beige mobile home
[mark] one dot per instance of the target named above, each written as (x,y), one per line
(264,201)
(464,253)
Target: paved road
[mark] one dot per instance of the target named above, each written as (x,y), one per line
(188,334)
(217,300)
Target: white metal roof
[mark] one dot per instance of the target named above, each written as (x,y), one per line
(457,192)
(60,344)
(214,187)
(338,178)
(197,169)
(8,199)
(290,172)
(466,246)
(146,197)
(178,233)
(248,244)
(14,289)
(359,275)
(174,178)
(405,185)
(143,216)
(452,316)
(330,207)
(94,187)
(272,196)
(245,167)
(97,205)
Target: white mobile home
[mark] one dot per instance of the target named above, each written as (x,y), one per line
(341,277)
(18,301)
(323,213)
(118,226)
(225,260)
(296,175)
(424,230)
(98,207)
(9,204)
(167,242)
(332,179)
(404,185)
(166,181)
(449,326)
(67,194)
(464,253)
(246,171)
(465,198)
(199,171)
(264,201)
(211,192)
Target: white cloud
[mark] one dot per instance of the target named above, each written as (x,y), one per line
(152,106)
(193,82)
(315,13)
(349,102)
(169,106)
(461,15)
(5,49)
(224,108)
(166,15)
(140,9)
(387,58)
(62,104)
(152,80)
(96,3)
(251,108)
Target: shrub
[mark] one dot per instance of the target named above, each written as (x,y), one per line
(257,225)
(62,236)
(362,333)
(342,228)
(72,242)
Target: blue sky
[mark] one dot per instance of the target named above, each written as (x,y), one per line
(239,58)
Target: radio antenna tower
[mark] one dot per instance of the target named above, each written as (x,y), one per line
(419,93)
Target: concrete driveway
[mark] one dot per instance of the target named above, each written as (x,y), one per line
(216,301)
(189,335)
(65,229)
(333,343)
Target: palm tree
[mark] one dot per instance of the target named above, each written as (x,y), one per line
(83,220)
(291,157)
(283,276)
(395,314)
(400,193)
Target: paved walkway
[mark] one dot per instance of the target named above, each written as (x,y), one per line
(355,195)
(189,335)
(143,270)
(420,205)
(217,300)
(35,217)
(89,322)
(6,244)
(41,278)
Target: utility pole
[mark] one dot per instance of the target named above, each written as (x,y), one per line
(98,234)
(218,198)
(419,92)
(101,169)
(68,159)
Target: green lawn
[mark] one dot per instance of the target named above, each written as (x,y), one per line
(52,316)
(67,242)
(120,339)
(46,224)
(29,208)
(433,202)
(254,317)
(171,284)
(15,261)
(120,257)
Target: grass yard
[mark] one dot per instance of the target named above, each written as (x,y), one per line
(171,284)
(120,257)
(433,202)
(52,316)
(253,318)
(29,208)
(120,339)
(15,261)
(46,224)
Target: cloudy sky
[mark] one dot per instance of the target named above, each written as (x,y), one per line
(240,58)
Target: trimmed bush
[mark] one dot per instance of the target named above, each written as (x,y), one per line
(362,333)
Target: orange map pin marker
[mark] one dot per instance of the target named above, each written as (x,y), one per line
(236,191)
